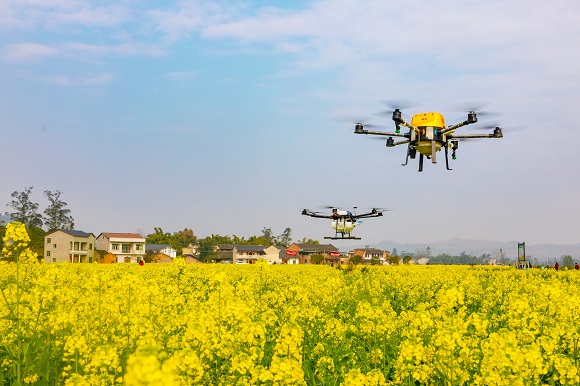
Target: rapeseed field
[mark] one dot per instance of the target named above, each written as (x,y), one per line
(177,324)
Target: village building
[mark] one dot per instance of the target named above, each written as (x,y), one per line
(126,247)
(69,245)
(302,254)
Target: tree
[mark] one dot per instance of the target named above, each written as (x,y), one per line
(316,258)
(394,252)
(57,216)
(284,239)
(394,260)
(428,251)
(567,261)
(159,237)
(407,259)
(355,259)
(183,239)
(207,251)
(36,240)
(308,241)
(24,209)
(420,254)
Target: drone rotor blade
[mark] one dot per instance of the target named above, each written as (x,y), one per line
(356,121)
(483,126)
(476,107)
(401,104)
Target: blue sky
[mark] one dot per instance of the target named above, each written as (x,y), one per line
(222,116)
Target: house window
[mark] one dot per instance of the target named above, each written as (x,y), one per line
(47,253)
(138,247)
(90,259)
(48,240)
(126,248)
(54,245)
(54,259)
(127,259)
(90,246)
(115,247)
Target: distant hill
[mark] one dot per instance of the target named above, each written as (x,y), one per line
(539,252)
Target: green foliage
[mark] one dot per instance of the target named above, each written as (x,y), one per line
(177,240)
(316,258)
(57,216)
(375,260)
(37,240)
(207,251)
(355,259)
(308,241)
(284,239)
(25,211)
(2,233)
(406,259)
(463,258)
(267,238)
(394,260)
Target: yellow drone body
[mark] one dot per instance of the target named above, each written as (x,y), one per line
(432,119)
(428,126)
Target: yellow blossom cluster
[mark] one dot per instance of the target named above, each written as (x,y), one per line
(16,242)
(179,324)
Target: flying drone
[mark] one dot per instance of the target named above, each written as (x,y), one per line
(427,135)
(344,221)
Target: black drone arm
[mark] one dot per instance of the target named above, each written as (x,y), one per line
(373,213)
(393,144)
(497,133)
(362,131)
(471,118)
(307,212)
(494,135)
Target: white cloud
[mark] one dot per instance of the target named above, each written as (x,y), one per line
(28,52)
(33,14)
(92,80)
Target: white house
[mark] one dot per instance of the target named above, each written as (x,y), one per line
(166,249)
(128,247)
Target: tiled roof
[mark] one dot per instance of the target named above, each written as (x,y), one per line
(72,232)
(370,250)
(250,248)
(122,235)
(313,248)
(156,247)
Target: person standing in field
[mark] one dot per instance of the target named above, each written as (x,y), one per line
(556,266)
(576,266)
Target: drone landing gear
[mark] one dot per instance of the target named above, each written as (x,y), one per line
(433,152)
(447,158)
(342,238)
(408,151)
(411,152)
(421,162)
